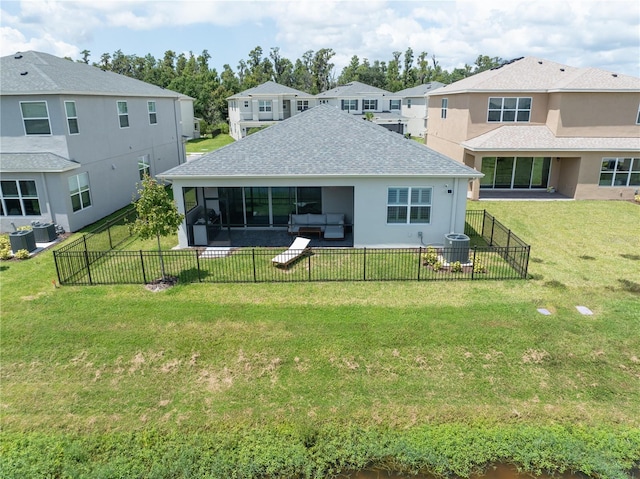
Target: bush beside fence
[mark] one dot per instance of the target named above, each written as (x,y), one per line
(504,256)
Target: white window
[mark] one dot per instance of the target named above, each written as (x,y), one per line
(443,108)
(324,102)
(284,105)
(19,198)
(79,191)
(35,116)
(264,105)
(369,104)
(144,166)
(153,116)
(303,105)
(409,205)
(408,102)
(510,109)
(620,172)
(349,105)
(123,114)
(246,103)
(638,117)
(394,104)
(72,117)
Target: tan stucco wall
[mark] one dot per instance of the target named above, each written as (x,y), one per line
(594,114)
(573,174)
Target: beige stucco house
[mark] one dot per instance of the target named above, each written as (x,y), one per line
(533,124)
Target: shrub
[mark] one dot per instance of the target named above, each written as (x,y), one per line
(437,266)
(479,266)
(22,254)
(24,228)
(431,256)
(5,253)
(637,198)
(456,267)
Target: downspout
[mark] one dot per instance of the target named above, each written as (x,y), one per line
(179,140)
(48,202)
(454,206)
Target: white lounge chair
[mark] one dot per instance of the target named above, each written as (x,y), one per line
(297,249)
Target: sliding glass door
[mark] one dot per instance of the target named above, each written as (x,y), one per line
(264,206)
(508,172)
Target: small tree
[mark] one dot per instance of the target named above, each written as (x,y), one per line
(157,214)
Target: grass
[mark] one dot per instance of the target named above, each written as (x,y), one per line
(285,371)
(205,145)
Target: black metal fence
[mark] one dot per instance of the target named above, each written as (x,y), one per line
(496,254)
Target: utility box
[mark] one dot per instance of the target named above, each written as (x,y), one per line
(23,239)
(44,232)
(456,248)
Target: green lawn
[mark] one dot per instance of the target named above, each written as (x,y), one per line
(205,145)
(307,379)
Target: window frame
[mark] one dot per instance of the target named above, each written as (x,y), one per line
(302,105)
(397,103)
(72,118)
(35,118)
(144,166)
(369,104)
(617,172)
(264,106)
(516,110)
(21,196)
(408,102)
(80,191)
(444,106)
(153,113)
(123,115)
(348,103)
(410,200)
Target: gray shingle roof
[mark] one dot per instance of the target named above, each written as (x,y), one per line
(35,73)
(540,138)
(353,88)
(531,74)
(322,142)
(35,162)
(270,88)
(420,90)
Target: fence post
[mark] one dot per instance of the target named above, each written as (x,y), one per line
(493,225)
(144,275)
(109,235)
(253,259)
(473,262)
(198,264)
(364,264)
(86,257)
(419,262)
(309,267)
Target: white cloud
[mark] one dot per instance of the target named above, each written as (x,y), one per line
(581,33)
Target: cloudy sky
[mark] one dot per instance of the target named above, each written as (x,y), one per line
(603,34)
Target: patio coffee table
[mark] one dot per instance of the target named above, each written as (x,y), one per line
(309,230)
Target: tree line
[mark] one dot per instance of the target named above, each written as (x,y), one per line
(313,73)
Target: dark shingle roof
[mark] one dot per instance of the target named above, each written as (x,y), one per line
(323,141)
(35,73)
(35,162)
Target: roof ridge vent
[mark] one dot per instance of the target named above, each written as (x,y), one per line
(18,56)
(615,75)
(562,69)
(24,73)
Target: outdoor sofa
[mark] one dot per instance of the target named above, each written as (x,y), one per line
(328,225)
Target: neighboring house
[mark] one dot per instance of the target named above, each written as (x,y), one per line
(393,191)
(189,123)
(414,107)
(75,139)
(534,124)
(360,99)
(265,105)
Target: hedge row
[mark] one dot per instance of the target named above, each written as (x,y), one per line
(320,452)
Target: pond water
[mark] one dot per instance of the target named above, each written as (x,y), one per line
(493,472)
